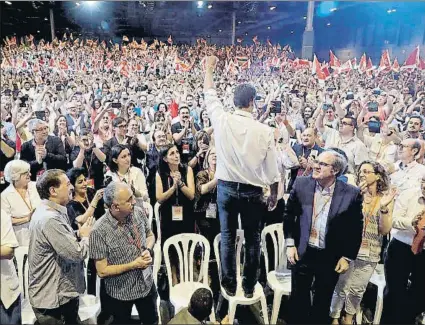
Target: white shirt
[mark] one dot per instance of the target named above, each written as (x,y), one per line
(408,177)
(134,177)
(245,148)
(9,279)
(379,152)
(355,150)
(406,208)
(14,205)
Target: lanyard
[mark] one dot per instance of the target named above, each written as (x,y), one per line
(125,178)
(29,206)
(321,210)
(89,165)
(368,215)
(135,238)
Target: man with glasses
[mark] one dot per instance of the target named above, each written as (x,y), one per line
(135,144)
(408,172)
(44,151)
(323,230)
(345,139)
(404,262)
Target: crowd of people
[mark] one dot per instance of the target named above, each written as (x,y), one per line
(94,135)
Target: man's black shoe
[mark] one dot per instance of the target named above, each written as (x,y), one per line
(230,293)
(248,295)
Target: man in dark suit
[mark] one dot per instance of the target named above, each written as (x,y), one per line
(323,224)
(307,149)
(44,151)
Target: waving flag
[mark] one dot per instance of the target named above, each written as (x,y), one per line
(412,60)
(125,39)
(363,63)
(243,62)
(385,63)
(396,66)
(346,67)
(334,62)
(317,69)
(421,64)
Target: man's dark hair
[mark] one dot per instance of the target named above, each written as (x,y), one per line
(417,117)
(244,94)
(200,304)
(117,121)
(85,132)
(353,120)
(184,107)
(50,178)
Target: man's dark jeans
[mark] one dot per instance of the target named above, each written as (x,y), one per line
(65,314)
(234,199)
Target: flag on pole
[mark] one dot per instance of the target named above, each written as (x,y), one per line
(385,63)
(396,66)
(346,67)
(363,63)
(334,62)
(412,60)
(317,69)
(125,39)
(421,64)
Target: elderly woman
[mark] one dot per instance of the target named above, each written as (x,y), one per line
(20,198)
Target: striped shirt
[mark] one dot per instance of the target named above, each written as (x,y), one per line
(118,244)
(55,258)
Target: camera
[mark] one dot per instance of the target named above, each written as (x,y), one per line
(376,92)
(350,96)
(372,106)
(325,107)
(374,126)
(116,105)
(277,107)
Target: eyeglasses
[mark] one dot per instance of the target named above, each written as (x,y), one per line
(42,129)
(402,146)
(321,163)
(367,172)
(345,123)
(121,126)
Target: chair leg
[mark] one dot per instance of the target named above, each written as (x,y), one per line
(232,311)
(277,299)
(379,307)
(264,309)
(212,316)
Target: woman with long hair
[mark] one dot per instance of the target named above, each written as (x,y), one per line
(201,143)
(67,137)
(120,170)
(378,203)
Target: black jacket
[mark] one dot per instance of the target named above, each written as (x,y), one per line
(55,158)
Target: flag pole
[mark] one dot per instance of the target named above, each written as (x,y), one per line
(52,24)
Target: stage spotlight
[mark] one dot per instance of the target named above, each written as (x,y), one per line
(200,4)
(90,3)
(333,9)
(8,3)
(272,7)
(77,3)
(210,6)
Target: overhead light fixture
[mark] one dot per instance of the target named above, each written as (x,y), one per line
(46,19)
(269,27)
(220,30)
(272,7)
(239,22)
(333,9)
(90,3)
(328,24)
(305,17)
(209,6)
(8,3)
(246,34)
(67,28)
(38,31)
(200,4)
(292,31)
(391,11)
(77,3)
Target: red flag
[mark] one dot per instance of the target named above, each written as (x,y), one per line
(421,64)
(170,40)
(334,62)
(317,69)
(243,62)
(385,63)
(346,67)
(63,65)
(124,69)
(354,63)
(109,64)
(231,67)
(369,66)
(412,60)
(396,66)
(51,63)
(363,63)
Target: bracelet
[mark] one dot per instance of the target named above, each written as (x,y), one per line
(181,184)
(384,211)
(94,207)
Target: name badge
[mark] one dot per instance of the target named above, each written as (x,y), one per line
(90,182)
(2,180)
(185,148)
(39,173)
(177,213)
(212,211)
(364,248)
(314,237)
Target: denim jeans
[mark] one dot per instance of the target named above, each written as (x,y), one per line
(11,315)
(64,314)
(246,200)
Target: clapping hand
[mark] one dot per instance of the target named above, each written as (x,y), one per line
(388,198)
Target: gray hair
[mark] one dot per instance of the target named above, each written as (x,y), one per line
(111,191)
(340,162)
(34,122)
(14,169)
(244,94)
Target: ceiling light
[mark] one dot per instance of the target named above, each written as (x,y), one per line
(239,22)
(391,11)
(38,31)
(200,4)
(45,18)
(209,6)
(77,3)
(269,27)
(8,3)
(328,24)
(220,30)
(272,7)
(246,34)
(305,17)
(292,31)
(67,28)
(333,9)
(90,3)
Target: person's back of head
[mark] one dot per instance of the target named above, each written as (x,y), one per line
(244,95)
(200,304)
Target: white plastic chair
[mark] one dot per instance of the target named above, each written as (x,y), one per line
(239,298)
(280,288)
(89,307)
(147,206)
(181,292)
(158,223)
(27,313)
(156,267)
(378,279)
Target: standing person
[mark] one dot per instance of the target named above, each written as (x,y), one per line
(246,162)
(7,152)
(121,243)
(378,203)
(55,255)
(10,302)
(323,230)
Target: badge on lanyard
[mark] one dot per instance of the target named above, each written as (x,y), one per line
(2,181)
(211,211)
(185,148)
(364,248)
(314,237)
(177,213)
(90,182)
(39,173)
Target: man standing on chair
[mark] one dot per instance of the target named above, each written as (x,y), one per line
(246,162)
(323,225)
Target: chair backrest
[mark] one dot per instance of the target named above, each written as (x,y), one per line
(158,222)
(275,231)
(156,262)
(185,245)
(239,241)
(150,212)
(21,255)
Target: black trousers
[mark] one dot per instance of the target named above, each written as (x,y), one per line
(146,307)
(315,265)
(402,303)
(65,314)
